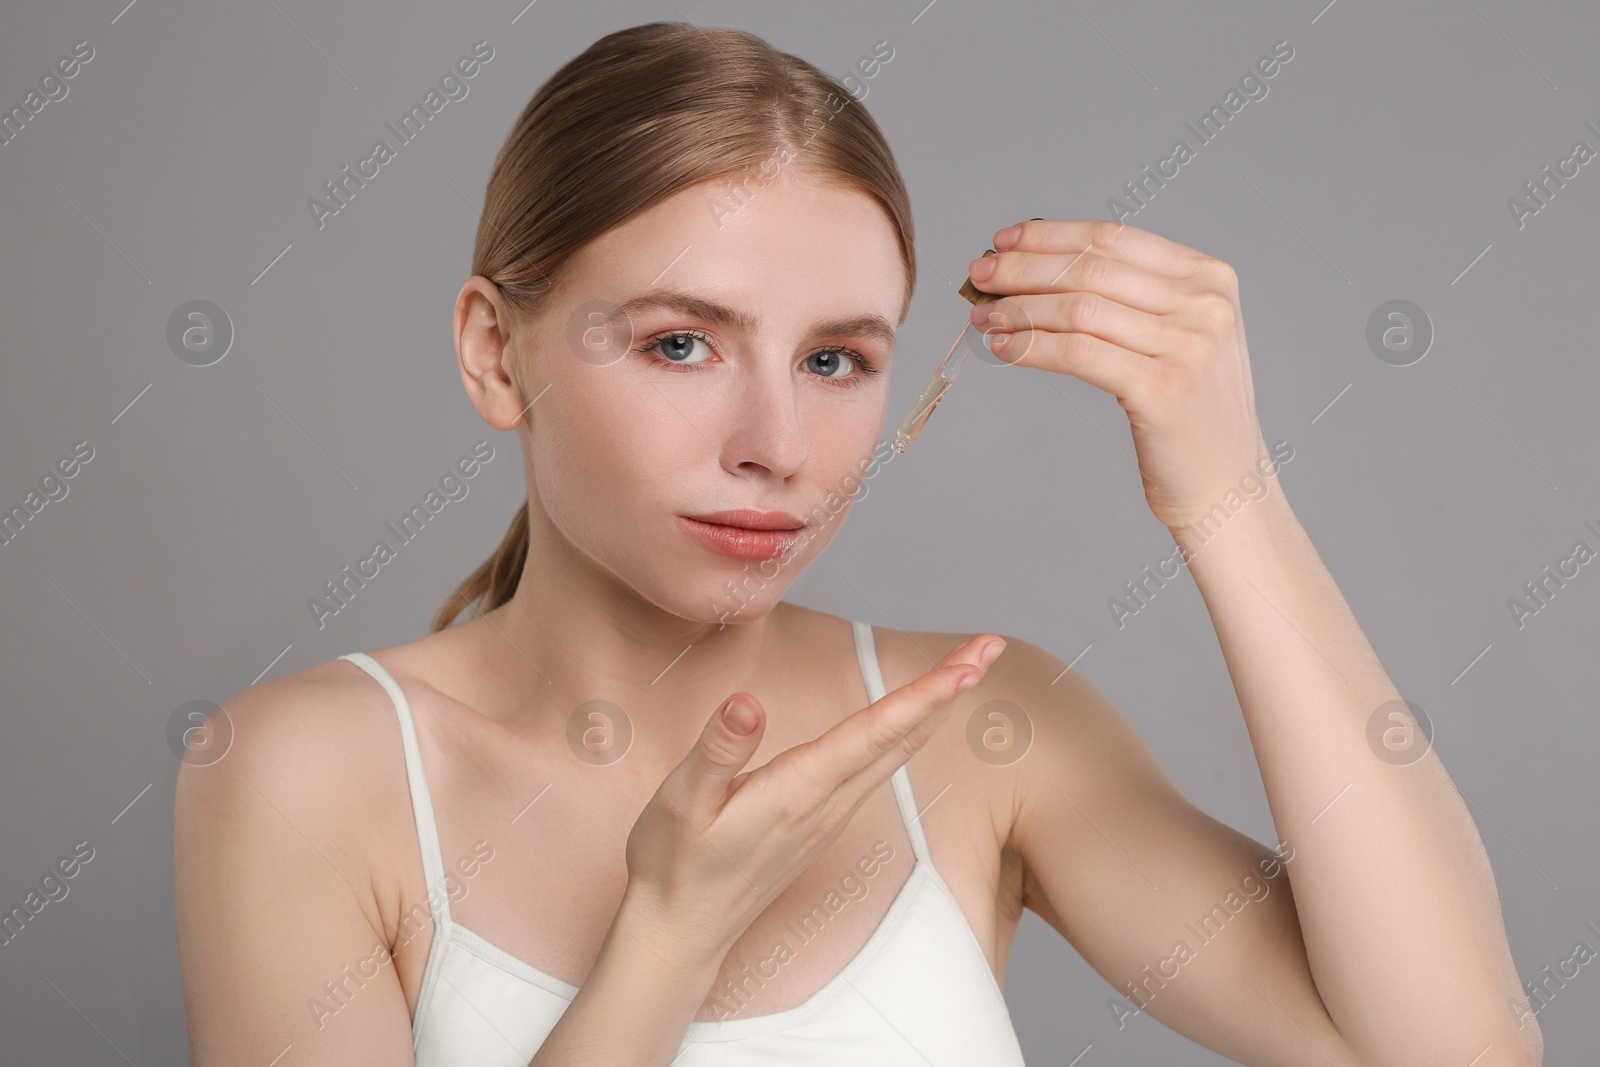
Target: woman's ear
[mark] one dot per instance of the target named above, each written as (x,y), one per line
(486,355)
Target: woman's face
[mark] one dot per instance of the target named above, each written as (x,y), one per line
(714,354)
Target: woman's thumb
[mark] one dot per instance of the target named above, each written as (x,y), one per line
(726,745)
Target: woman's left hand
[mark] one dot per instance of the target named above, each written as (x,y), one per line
(1153,322)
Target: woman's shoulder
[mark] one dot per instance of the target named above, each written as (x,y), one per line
(1030,715)
(292,809)
(322,745)
(336,706)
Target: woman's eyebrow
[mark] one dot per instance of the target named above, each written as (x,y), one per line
(867,325)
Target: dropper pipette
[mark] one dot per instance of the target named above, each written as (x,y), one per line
(934,391)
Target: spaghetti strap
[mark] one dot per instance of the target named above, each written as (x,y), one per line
(421,803)
(872,674)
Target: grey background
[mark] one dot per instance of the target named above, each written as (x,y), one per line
(178,567)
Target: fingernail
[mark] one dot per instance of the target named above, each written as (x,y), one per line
(968,680)
(1007,237)
(991,652)
(738,717)
(983,269)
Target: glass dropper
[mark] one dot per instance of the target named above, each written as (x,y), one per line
(933,392)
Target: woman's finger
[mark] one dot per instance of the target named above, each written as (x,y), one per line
(1021,272)
(859,754)
(1116,240)
(1091,313)
(1122,373)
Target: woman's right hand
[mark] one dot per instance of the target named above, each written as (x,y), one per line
(714,846)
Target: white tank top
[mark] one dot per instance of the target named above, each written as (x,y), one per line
(919,992)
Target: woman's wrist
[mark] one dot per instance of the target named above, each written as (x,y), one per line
(648,924)
(649,972)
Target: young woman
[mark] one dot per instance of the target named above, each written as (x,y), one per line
(546,834)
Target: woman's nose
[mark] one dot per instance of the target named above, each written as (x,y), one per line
(767,429)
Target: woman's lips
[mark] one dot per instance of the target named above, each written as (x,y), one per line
(739,541)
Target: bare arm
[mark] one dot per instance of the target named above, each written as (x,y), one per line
(1395,896)
(1396,953)
(1373,936)
(281,948)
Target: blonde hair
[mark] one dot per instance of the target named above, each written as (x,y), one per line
(640,115)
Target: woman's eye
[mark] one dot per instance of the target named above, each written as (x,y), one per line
(830,363)
(679,347)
